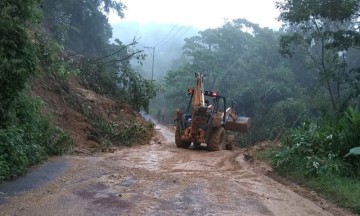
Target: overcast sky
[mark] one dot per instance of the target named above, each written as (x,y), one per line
(201,14)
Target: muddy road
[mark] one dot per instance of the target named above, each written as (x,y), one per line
(160,179)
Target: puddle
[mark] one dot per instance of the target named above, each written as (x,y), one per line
(167,133)
(100,194)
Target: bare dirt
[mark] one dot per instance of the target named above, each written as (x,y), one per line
(160,179)
(75,108)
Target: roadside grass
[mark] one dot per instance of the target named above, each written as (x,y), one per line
(344,191)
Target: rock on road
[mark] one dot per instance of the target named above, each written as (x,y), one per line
(160,179)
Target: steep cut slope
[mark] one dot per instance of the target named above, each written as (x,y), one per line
(85,115)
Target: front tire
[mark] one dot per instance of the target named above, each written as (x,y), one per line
(216,140)
(180,143)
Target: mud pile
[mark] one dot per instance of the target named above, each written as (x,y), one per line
(75,108)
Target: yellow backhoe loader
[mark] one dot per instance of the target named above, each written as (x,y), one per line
(208,120)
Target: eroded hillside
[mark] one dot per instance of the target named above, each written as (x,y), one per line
(94,122)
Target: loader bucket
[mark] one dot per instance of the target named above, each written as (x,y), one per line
(241,125)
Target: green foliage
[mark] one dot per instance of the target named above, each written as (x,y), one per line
(242,62)
(82,29)
(303,10)
(17,54)
(320,148)
(343,191)
(350,127)
(325,34)
(81,26)
(26,136)
(138,90)
(124,135)
(113,75)
(29,138)
(22,13)
(126,85)
(275,103)
(354,151)
(52,57)
(177,83)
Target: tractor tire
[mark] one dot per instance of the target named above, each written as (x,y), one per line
(216,140)
(180,143)
(229,146)
(230,142)
(197,145)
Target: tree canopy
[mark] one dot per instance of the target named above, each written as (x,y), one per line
(296,11)
(57,38)
(17,54)
(326,33)
(242,62)
(81,26)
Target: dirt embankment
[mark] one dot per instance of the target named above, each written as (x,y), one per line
(75,109)
(160,179)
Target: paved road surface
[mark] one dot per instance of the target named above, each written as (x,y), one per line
(160,179)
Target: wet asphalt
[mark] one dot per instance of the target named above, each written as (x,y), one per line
(35,178)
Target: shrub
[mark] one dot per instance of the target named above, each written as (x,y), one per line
(121,83)
(28,138)
(52,56)
(124,135)
(320,147)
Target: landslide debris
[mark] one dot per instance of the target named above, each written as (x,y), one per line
(94,122)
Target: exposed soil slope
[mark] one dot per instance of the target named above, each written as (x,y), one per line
(74,108)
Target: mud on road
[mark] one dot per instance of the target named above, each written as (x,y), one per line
(160,179)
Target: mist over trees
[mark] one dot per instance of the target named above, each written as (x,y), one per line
(242,62)
(278,78)
(82,29)
(167,39)
(329,42)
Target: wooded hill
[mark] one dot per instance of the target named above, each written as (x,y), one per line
(59,50)
(299,85)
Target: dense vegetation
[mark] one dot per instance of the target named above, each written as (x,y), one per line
(82,28)
(26,136)
(327,35)
(300,86)
(60,38)
(324,151)
(242,62)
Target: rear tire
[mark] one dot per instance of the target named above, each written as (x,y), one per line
(229,142)
(216,140)
(180,143)
(229,146)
